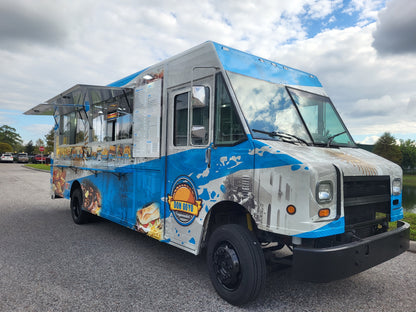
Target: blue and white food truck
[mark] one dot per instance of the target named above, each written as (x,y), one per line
(219,150)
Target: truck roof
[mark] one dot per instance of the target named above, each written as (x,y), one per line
(243,63)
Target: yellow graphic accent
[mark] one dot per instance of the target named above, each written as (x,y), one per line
(183,199)
(364,167)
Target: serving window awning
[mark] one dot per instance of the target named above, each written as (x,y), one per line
(77,98)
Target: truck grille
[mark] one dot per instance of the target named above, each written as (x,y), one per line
(366,201)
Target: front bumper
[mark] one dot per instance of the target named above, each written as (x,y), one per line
(327,264)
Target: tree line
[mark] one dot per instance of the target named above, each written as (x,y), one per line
(402,152)
(11,141)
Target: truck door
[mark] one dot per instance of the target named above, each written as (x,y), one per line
(189,137)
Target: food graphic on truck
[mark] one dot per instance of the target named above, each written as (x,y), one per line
(221,151)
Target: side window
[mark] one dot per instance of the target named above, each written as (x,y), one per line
(99,124)
(228,128)
(68,129)
(180,136)
(81,129)
(112,118)
(198,111)
(200,115)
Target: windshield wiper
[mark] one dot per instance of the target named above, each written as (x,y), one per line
(332,137)
(282,135)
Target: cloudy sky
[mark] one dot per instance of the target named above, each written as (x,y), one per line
(363,51)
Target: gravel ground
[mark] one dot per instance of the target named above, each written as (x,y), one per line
(47,263)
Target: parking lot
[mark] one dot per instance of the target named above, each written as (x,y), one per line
(47,263)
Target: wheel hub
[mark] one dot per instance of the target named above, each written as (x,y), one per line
(227,266)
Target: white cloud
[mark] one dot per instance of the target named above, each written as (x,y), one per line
(370,140)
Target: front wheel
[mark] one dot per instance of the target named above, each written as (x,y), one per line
(79,215)
(236,264)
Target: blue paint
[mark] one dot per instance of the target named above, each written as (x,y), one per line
(204,195)
(396,212)
(295,167)
(250,65)
(223,188)
(272,160)
(125,80)
(192,241)
(333,228)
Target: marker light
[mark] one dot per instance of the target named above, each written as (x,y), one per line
(397,186)
(324,192)
(291,209)
(324,212)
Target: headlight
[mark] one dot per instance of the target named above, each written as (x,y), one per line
(397,186)
(324,192)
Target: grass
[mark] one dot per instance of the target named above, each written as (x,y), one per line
(410,218)
(409,180)
(39,166)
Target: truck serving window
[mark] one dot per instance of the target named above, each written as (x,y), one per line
(94,114)
(112,117)
(68,126)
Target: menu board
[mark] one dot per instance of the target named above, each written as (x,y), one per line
(146,119)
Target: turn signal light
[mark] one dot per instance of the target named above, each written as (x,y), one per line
(291,209)
(324,212)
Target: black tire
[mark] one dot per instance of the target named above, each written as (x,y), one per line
(236,264)
(79,215)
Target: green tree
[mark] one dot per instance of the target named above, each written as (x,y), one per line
(49,141)
(29,148)
(9,135)
(408,150)
(5,147)
(387,147)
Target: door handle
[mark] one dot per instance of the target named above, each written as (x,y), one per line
(208,157)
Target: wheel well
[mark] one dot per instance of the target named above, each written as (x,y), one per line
(227,212)
(74,186)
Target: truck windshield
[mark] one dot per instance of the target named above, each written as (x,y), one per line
(276,112)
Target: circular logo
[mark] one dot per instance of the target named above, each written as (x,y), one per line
(183,201)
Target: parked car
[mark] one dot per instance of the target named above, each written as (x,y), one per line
(22,158)
(6,157)
(38,159)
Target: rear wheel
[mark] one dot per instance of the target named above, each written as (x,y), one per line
(236,264)
(79,215)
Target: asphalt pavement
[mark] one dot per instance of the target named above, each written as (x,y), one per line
(48,263)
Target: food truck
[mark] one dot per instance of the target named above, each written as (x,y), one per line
(221,151)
